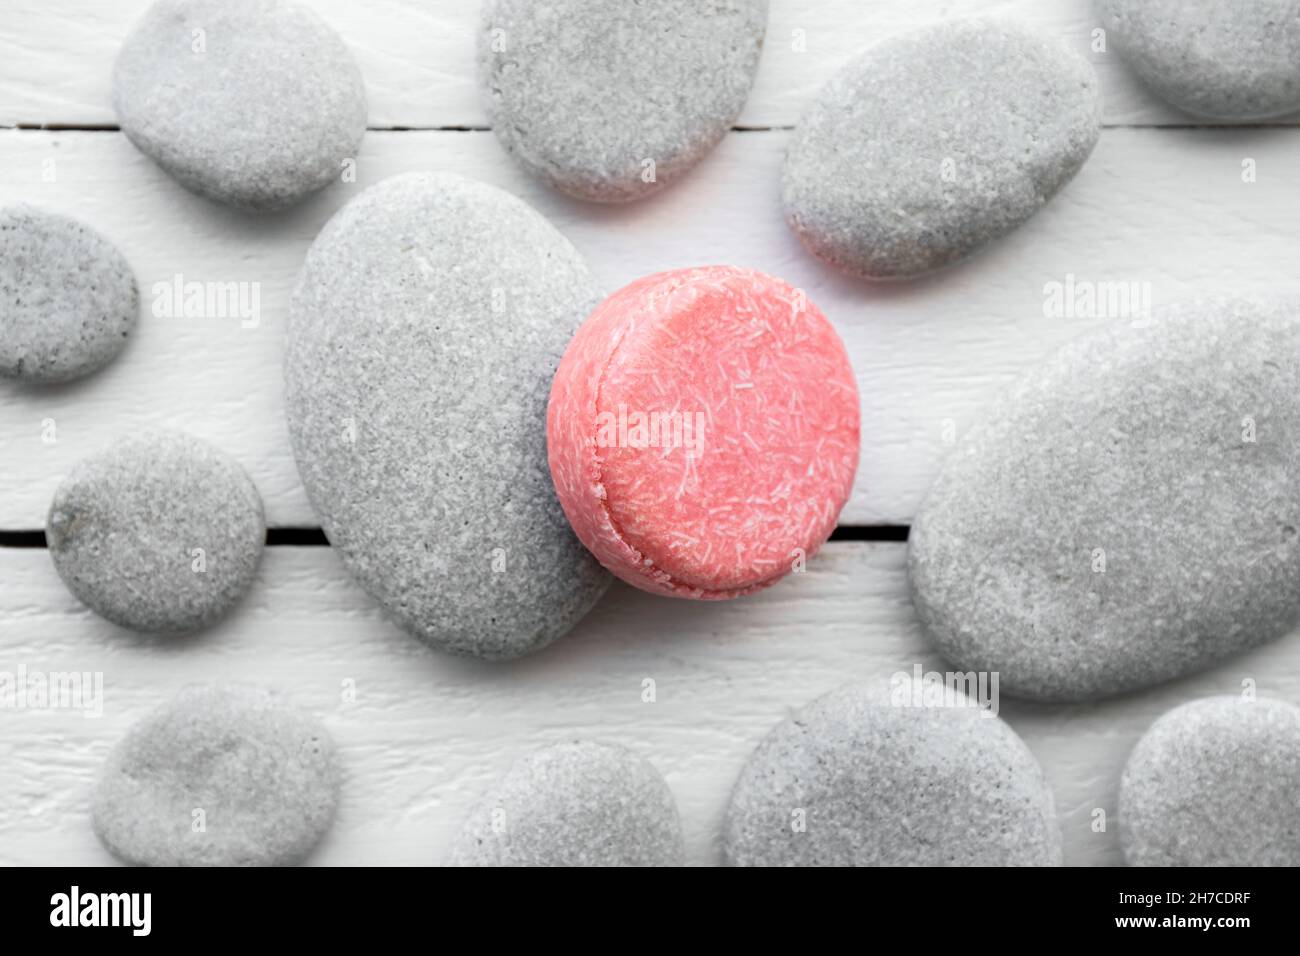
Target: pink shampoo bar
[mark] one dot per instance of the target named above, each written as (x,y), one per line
(703,431)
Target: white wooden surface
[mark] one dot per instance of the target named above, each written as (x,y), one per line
(418,55)
(428,733)
(1161,201)
(1163,206)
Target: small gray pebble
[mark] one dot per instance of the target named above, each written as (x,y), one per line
(1128,513)
(425,329)
(254,103)
(574,804)
(68,299)
(1214,783)
(586,94)
(161,532)
(220,775)
(1224,59)
(852,780)
(935,142)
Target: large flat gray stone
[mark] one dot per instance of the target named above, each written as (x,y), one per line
(426,326)
(609,100)
(68,298)
(254,103)
(1128,512)
(931,144)
(855,780)
(219,775)
(1223,59)
(1214,783)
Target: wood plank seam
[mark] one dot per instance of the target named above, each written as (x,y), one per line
(315,537)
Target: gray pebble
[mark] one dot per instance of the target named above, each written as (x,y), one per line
(574,804)
(220,775)
(254,103)
(853,780)
(160,532)
(935,142)
(68,299)
(1128,513)
(425,329)
(611,101)
(1237,60)
(1214,783)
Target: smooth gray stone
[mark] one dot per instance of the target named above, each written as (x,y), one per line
(933,143)
(584,92)
(424,332)
(1128,512)
(220,775)
(574,804)
(1224,59)
(874,784)
(1214,783)
(68,298)
(159,532)
(254,103)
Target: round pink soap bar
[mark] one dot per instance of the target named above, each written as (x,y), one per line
(703,431)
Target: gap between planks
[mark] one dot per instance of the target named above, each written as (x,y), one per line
(315,537)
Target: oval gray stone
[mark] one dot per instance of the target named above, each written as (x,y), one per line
(160,532)
(68,298)
(424,332)
(933,143)
(1128,513)
(219,775)
(1214,783)
(852,780)
(574,804)
(1237,60)
(254,103)
(610,101)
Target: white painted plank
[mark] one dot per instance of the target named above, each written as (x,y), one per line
(417,56)
(1161,206)
(428,733)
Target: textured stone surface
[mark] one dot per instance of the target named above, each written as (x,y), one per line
(1214,783)
(1225,59)
(586,93)
(853,780)
(220,775)
(255,103)
(1128,512)
(159,532)
(932,143)
(68,299)
(425,329)
(574,804)
(703,431)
